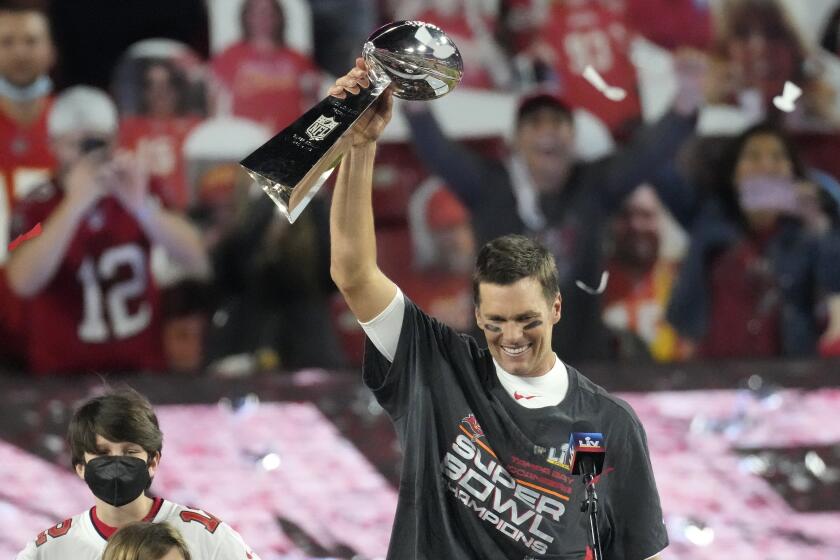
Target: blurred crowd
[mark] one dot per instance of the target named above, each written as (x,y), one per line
(691,203)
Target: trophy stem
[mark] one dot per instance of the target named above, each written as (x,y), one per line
(294,164)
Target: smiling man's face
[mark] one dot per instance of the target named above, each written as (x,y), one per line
(517,321)
(545,140)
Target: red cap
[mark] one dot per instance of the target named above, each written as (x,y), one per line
(444,210)
(541,98)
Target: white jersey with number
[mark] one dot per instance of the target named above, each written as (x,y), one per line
(82,538)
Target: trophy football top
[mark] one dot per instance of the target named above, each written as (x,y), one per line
(418,58)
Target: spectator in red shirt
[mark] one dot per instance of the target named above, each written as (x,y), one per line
(760,49)
(580,33)
(26,55)
(640,281)
(443,256)
(259,77)
(92,302)
(755,272)
(157,133)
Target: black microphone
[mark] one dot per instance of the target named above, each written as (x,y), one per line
(586,456)
(586,449)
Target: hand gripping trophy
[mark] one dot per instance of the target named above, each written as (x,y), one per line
(419,60)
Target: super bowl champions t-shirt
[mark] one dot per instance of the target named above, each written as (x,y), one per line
(486,478)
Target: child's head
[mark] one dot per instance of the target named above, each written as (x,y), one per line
(115,444)
(147,541)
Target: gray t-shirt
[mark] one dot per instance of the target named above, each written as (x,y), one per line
(484,478)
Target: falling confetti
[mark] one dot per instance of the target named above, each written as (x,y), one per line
(34,232)
(610,92)
(605,276)
(786,101)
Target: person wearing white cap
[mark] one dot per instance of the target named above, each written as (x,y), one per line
(92,303)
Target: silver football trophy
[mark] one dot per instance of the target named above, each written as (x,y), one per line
(417,58)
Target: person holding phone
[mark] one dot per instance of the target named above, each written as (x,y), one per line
(91,302)
(755,271)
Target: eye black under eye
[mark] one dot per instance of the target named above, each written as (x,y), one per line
(492,328)
(533,324)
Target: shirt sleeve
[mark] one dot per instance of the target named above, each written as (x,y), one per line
(26,216)
(384,330)
(231,546)
(428,355)
(632,497)
(28,553)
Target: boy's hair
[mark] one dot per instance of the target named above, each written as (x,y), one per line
(121,415)
(145,541)
(510,258)
(23,6)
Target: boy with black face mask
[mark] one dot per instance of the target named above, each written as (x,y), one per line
(116,444)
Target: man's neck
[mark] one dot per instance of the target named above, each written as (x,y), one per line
(547,365)
(118,517)
(263,44)
(23,112)
(551,182)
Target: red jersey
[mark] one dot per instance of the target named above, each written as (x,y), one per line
(158,143)
(25,162)
(585,34)
(671,23)
(273,88)
(745,314)
(638,306)
(100,310)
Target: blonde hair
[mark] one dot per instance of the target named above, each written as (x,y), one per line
(145,541)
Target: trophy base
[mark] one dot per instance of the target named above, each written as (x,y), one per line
(292,199)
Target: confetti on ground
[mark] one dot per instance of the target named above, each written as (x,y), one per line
(786,101)
(610,92)
(34,232)
(605,276)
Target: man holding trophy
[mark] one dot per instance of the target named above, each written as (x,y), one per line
(486,469)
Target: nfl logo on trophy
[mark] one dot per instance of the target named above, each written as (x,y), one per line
(322,126)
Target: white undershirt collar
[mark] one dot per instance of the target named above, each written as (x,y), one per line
(536,392)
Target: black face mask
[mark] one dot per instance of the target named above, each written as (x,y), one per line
(117,480)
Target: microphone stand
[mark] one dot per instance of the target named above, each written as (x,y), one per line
(590,503)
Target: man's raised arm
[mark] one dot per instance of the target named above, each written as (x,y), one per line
(352,241)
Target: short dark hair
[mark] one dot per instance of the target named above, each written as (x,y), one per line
(120,415)
(534,103)
(510,258)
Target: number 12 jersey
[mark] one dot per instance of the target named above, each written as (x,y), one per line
(100,311)
(84,536)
